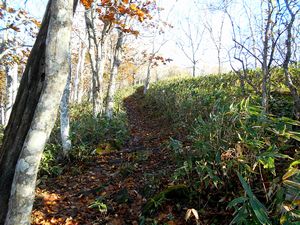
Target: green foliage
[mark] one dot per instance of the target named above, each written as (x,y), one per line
(229,133)
(175,191)
(251,204)
(99,205)
(89,136)
(121,95)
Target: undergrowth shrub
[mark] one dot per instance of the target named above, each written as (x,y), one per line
(89,136)
(238,157)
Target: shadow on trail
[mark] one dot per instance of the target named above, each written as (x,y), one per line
(113,187)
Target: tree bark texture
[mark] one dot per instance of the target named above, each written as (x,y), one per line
(22,114)
(79,72)
(28,126)
(113,75)
(288,77)
(11,89)
(65,118)
(148,77)
(97,53)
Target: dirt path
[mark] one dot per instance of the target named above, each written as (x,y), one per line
(122,180)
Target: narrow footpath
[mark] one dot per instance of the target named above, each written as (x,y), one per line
(114,186)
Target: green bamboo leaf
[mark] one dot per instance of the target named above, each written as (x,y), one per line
(236,201)
(295,163)
(290,121)
(292,184)
(294,135)
(241,216)
(257,207)
(292,171)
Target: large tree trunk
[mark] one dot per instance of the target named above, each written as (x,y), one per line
(114,72)
(29,125)
(20,120)
(65,118)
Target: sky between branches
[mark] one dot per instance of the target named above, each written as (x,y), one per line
(176,12)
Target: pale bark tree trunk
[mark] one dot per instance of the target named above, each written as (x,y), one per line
(33,114)
(93,54)
(76,78)
(19,123)
(265,68)
(11,88)
(97,53)
(79,72)
(65,118)
(113,74)
(148,77)
(2,112)
(217,41)
(194,69)
(288,55)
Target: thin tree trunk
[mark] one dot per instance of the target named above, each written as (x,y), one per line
(93,53)
(79,72)
(97,55)
(194,69)
(114,72)
(11,88)
(288,77)
(76,78)
(265,69)
(21,126)
(2,112)
(65,118)
(147,80)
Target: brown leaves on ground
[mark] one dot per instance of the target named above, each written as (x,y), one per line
(121,180)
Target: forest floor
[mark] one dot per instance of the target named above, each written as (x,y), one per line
(114,186)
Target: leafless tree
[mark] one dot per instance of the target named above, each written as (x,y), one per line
(190,44)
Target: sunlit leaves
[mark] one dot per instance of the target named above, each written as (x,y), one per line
(19,27)
(87,3)
(110,11)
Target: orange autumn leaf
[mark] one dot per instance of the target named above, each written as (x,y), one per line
(122,9)
(104,2)
(87,3)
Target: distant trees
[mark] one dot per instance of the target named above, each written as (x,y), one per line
(263,34)
(13,51)
(277,39)
(45,85)
(190,44)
